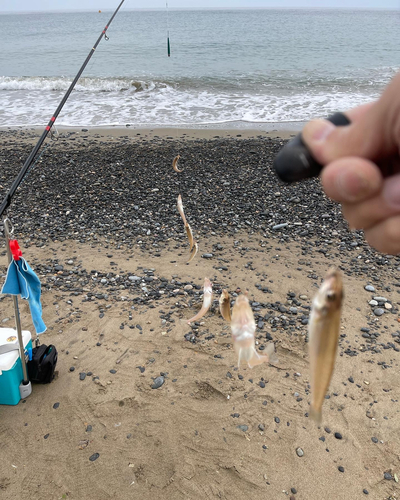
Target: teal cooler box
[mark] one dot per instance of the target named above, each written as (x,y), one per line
(11,374)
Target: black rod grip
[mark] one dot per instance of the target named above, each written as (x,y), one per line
(294,161)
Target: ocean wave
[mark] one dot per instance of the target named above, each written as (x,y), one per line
(83,85)
(29,101)
(171,108)
(355,80)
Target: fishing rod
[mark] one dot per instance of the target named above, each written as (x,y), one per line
(7,200)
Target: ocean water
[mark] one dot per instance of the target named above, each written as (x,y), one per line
(231,68)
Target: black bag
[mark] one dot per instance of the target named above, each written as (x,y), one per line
(43,363)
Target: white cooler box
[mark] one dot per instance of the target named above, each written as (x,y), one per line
(11,374)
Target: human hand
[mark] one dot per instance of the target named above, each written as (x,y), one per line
(362,166)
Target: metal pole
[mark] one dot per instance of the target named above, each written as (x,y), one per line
(8,231)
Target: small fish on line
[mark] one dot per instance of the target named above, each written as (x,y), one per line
(207,299)
(175,163)
(192,244)
(243,328)
(225,305)
(323,338)
(180,209)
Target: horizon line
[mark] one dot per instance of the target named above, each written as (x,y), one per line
(162,9)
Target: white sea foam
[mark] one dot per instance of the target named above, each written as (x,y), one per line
(63,83)
(161,104)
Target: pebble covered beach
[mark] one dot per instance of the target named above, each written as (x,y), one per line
(146,406)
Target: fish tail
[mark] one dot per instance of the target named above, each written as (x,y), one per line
(316,415)
(270,352)
(199,315)
(193,252)
(257,360)
(239,356)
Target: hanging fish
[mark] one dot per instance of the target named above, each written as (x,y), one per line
(207,298)
(195,249)
(243,328)
(180,209)
(192,244)
(323,337)
(175,164)
(225,305)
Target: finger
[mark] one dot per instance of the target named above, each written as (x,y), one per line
(373,132)
(350,180)
(385,236)
(359,112)
(328,143)
(372,211)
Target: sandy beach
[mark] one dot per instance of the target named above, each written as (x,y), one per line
(96,219)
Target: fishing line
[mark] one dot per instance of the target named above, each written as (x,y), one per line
(31,158)
(169,55)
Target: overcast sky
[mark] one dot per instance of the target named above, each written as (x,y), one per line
(51,5)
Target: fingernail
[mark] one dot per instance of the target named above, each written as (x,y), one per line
(391,191)
(352,185)
(319,130)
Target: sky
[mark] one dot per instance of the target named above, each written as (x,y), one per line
(51,5)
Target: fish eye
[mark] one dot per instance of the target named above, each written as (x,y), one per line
(331,296)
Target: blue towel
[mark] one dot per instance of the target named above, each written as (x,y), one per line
(21,280)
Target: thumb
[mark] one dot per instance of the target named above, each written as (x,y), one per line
(373,132)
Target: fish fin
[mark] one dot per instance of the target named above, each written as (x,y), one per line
(243,354)
(270,352)
(316,415)
(257,360)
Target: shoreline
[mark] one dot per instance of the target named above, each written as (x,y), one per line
(31,135)
(235,125)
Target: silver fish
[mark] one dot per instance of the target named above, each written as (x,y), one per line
(207,299)
(323,337)
(243,328)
